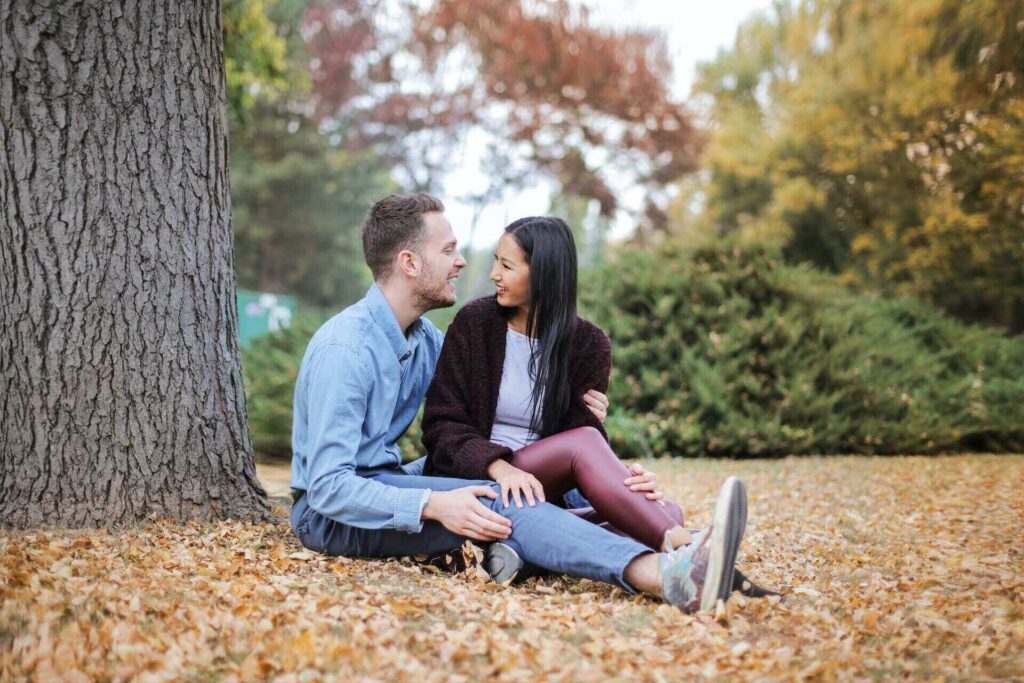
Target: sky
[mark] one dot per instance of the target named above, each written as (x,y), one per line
(695,31)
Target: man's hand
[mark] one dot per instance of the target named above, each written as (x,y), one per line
(461,513)
(644,480)
(598,404)
(520,483)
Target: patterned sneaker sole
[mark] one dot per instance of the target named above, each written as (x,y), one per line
(729,523)
(502,563)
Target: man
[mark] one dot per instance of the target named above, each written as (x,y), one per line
(360,385)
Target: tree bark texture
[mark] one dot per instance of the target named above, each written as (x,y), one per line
(120,380)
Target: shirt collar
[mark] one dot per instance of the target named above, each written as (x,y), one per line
(385,318)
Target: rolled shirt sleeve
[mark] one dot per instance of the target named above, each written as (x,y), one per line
(338,390)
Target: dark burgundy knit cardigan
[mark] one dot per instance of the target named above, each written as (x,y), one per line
(463,397)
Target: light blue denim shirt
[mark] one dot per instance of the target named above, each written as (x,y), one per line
(360,385)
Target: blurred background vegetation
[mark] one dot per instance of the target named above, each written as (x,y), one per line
(825,250)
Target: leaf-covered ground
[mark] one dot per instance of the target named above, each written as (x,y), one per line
(892,567)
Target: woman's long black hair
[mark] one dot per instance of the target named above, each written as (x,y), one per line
(550,251)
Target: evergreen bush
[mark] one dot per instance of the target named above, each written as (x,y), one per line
(270,366)
(723,350)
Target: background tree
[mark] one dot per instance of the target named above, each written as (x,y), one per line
(298,204)
(544,89)
(256,60)
(299,196)
(879,140)
(120,382)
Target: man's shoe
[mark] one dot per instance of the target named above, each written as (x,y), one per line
(502,562)
(697,576)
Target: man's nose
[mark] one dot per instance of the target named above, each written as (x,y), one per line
(460,260)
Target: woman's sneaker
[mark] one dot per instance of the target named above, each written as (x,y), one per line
(697,576)
(502,562)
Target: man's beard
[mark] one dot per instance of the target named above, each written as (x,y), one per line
(432,292)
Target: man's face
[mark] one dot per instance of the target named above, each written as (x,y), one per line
(442,262)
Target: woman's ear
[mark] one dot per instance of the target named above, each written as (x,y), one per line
(408,263)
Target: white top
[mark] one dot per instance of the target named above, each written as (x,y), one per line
(512,418)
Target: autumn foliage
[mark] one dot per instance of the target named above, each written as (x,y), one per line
(892,569)
(554,93)
(881,141)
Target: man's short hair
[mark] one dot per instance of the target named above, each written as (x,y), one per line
(393,224)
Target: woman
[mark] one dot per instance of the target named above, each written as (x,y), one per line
(512,399)
(508,398)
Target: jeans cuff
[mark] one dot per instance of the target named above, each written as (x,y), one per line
(620,571)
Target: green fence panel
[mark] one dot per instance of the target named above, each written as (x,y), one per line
(260,313)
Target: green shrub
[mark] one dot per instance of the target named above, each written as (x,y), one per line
(722,350)
(725,351)
(270,366)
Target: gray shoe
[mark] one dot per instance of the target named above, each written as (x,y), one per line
(502,562)
(697,576)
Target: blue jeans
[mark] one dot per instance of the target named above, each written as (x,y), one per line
(546,535)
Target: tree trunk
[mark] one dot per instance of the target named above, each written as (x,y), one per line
(120,381)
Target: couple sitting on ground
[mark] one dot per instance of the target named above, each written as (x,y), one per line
(518,458)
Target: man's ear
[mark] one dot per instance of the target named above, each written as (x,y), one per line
(408,263)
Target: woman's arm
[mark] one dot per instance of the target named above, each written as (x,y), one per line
(455,446)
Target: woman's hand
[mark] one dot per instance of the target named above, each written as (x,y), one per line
(518,482)
(644,480)
(598,404)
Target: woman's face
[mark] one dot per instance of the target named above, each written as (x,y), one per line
(511,274)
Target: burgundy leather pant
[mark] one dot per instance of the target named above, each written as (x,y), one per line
(581,458)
